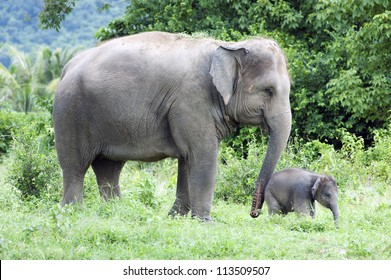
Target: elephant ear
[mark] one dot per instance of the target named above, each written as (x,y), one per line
(225,70)
(315,187)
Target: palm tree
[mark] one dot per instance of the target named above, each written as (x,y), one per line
(28,81)
(19,82)
(50,64)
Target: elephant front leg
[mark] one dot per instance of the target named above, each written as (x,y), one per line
(304,208)
(312,209)
(273,205)
(182,201)
(202,180)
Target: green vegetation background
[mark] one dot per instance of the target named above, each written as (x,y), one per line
(339,58)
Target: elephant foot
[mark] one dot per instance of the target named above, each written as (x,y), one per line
(174,214)
(179,210)
(203,219)
(109,193)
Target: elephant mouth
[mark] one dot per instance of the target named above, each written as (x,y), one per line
(264,126)
(263,123)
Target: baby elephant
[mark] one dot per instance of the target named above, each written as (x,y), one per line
(295,190)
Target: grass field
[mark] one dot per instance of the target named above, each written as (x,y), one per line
(137,226)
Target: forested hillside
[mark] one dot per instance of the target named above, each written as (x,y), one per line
(19,24)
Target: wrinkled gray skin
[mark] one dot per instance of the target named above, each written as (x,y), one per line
(295,190)
(155,95)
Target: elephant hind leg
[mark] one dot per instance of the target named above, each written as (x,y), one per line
(182,201)
(107,175)
(73,185)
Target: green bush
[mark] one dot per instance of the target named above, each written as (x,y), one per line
(145,190)
(241,140)
(144,187)
(33,163)
(237,174)
(9,121)
(378,157)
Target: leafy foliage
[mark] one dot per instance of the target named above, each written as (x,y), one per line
(224,19)
(236,180)
(10,121)
(144,189)
(54,13)
(34,170)
(357,54)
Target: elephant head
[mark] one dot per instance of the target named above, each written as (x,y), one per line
(253,79)
(325,191)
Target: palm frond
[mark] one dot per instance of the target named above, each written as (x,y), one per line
(21,64)
(31,78)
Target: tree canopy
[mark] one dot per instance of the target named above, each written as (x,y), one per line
(338,51)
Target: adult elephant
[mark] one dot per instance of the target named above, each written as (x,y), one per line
(156,95)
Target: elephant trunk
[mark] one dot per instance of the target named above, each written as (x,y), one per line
(280,127)
(334,210)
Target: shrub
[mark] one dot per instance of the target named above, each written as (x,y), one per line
(33,163)
(140,185)
(237,174)
(242,139)
(378,157)
(145,191)
(9,121)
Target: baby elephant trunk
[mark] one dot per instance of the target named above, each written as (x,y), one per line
(334,210)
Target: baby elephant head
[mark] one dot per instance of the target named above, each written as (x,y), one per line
(325,191)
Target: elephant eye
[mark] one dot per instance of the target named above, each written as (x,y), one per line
(269,91)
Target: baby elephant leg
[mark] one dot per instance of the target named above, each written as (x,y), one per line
(273,205)
(312,210)
(305,208)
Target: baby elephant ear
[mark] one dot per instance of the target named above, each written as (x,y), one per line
(315,187)
(225,70)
